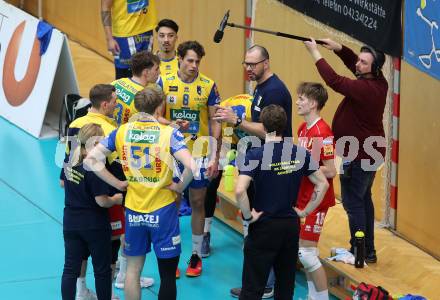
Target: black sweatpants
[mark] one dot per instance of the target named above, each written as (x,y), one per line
(271,242)
(77,245)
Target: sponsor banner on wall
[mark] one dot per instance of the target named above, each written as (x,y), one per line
(422,35)
(30,71)
(373,22)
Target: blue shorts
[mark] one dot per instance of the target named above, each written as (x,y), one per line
(131,45)
(160,227)
(200,179)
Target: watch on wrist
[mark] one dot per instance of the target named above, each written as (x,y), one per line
(238,122)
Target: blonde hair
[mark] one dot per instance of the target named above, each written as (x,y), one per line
(86,132)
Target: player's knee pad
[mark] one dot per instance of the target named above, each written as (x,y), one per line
(309,258)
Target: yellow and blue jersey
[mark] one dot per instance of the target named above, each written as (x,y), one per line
(241,105)
(126,89)
(169,66)
(145,149)
(190,101)
(107,124)
(133,17)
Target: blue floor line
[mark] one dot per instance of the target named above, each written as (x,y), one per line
(30,279)
(31,202)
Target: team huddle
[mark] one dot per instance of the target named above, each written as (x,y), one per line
(162,130)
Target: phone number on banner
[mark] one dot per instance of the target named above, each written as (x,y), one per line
(355,15)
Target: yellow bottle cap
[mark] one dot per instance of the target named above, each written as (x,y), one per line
(231,154)
(359,234)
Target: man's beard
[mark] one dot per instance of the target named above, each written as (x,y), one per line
(165,50)
(258,76)
(362,75)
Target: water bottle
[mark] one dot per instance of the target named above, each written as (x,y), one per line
(229,177)
(231,155)
(359,249)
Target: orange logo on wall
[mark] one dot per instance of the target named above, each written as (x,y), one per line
(17,92)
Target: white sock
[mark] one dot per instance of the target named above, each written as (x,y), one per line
(197,244)
(312,290)
(122,266)
(323,295)
(81,285)
(208,222)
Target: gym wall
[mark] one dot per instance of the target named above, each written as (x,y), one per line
(418,206)
(197,19)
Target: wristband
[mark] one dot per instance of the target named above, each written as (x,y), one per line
(249,219)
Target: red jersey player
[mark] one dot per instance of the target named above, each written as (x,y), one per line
(316,136)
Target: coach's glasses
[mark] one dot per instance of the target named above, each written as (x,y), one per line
(252,66)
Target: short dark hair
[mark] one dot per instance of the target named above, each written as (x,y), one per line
(149,99)
(195,46)
(314,91)
(263,51)
(99,93)
(274,119)
(167,23)
(143,60)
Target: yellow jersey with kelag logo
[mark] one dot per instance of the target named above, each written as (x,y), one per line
(241,104)
(145,149)
(132,17)
(169,66)
(126,89)
(190,101)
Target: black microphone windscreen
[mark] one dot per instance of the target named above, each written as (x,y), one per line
(218,36)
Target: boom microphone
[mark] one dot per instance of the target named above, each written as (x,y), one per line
(219,33)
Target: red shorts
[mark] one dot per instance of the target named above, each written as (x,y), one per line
(117,219)
(312,226)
